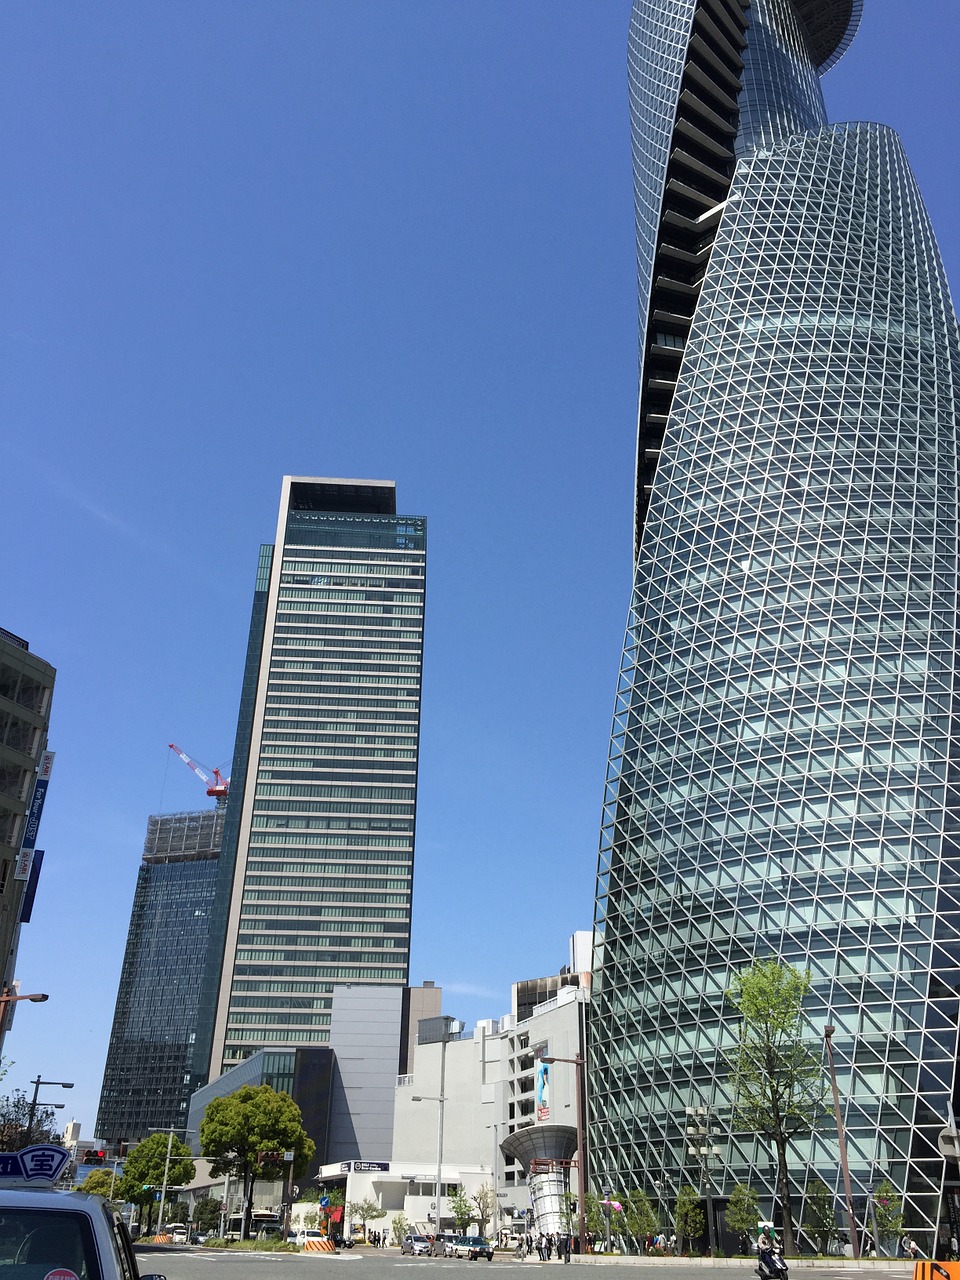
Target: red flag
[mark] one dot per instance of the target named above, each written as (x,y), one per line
(336,1214)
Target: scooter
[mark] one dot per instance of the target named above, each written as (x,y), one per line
(773,1266)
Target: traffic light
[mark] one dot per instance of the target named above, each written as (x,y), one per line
(94,1157)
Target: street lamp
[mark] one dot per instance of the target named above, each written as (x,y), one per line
(64,1084)
(700,1129)
(578,1063)
(851,1221)
(451,1029)
(7,998)
(166,1166)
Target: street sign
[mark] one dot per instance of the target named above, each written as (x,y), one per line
(324,1202)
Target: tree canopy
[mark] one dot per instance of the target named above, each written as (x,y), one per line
(246,1134)
(100,1182)
(688,1216)
(777,1078)
(14,1117)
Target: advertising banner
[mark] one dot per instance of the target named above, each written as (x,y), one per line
(542,1086)
(34,813)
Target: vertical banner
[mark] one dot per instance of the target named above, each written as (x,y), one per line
(34,813)
(542,1084)
(26,907)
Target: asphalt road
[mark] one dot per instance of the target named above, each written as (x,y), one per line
(364,1264)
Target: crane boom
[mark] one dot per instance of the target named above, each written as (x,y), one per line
(218,786)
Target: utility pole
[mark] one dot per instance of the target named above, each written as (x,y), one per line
(700,1133)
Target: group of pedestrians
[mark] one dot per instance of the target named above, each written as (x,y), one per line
(659,1243)
(552,1245)
(377,1238)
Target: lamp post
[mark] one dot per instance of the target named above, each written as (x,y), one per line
(32,1110)
(451,1029)
(700,1129)
(578,1063)
(166,1167)
(851,1221)
(7,998)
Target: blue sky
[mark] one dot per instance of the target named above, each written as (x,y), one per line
(361,238)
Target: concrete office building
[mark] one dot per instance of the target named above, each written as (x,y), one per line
(783,772)
(26,691)
(317,867)
(148,1079)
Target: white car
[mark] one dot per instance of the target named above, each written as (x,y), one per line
(46,1232)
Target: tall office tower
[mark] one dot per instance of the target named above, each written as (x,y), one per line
(26,691)
(147,1081)
(782,778)
(317,870)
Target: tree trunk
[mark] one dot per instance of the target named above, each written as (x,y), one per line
(785,1202)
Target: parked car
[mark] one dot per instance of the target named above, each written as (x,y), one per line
(473,1247)
(415,1245)
(443,1242)
(342,1242)
(308,1233)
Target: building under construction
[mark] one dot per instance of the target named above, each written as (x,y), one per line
(147,1081)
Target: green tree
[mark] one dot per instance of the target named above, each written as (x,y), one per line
(14,1115)
(484,1200)
(596,1221)
(143,1171)
(777,1078)
(743,1210)
(100,1182)
(461,1208)
(639,1218)
(399,1227)
(206,1214)
(365,1211)
(688,1216)
(888,1207)
(245,1133)
(819,1213)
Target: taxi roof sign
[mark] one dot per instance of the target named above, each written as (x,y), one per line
(37,1166)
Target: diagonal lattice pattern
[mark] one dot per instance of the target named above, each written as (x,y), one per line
(783,764)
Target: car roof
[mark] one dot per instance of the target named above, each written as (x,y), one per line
(46,1198)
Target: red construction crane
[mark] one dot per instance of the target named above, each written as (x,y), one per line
(218,786)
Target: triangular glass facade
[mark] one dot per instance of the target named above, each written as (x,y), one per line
(783,771)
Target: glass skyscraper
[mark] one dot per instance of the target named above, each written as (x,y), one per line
(147,1081)
(316,875)
(783,772)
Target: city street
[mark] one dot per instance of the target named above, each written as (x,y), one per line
(201,1264)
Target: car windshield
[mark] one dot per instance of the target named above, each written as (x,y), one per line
(36,1242)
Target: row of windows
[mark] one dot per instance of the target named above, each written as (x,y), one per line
(402,791)
(348,909)
(347,928)
(386,610)
(372,705)
(386,632)
(278,1019)
(331,974)
(311,988)
(311,882)
(292,839)
(335,806)
(295,1037)
(327,824)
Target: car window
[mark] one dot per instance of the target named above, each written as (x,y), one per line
(34,1242)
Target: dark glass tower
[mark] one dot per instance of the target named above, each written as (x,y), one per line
(147,1081)
(783,771)
(316,877)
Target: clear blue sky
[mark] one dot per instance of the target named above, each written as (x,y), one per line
(370,238)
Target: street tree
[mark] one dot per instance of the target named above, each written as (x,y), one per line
(819,1213)
(461,1208)
(888,1207)
(688,1217)
(245,1134)
(399,1227)
(100,1182)
(206,1214)
(14,1123)
(639,1218)
(743,1214)
(484,1200)
(777,1078)
(143,1173)
(364,1211)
